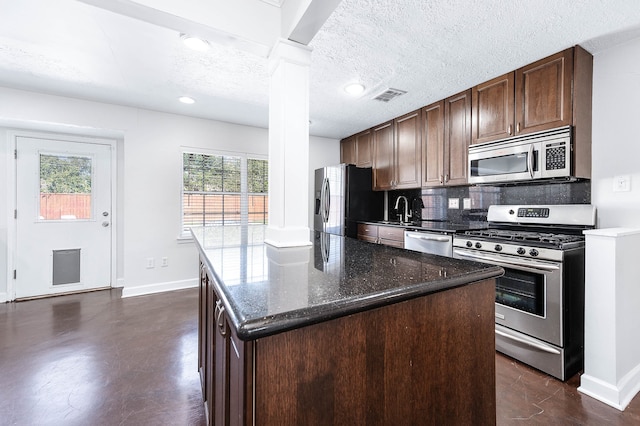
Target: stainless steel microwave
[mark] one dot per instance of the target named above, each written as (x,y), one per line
(543,155)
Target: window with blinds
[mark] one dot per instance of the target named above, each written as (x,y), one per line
(223,190)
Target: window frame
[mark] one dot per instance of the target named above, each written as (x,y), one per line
(184,234)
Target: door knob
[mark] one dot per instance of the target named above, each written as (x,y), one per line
(105,224)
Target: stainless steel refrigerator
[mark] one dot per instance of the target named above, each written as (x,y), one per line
(343,196)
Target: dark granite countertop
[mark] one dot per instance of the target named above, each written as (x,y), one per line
(266,290)
(434,225)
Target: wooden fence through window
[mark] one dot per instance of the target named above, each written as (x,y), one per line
(56,206)
(215,209)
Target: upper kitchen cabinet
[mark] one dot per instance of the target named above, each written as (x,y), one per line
(433,144)
(348,150)
(550,93)
(543,93)
(408,147)
(457,137)
(363,149)
(447,134)
(493,106)
(397,149)
(383,158)
(356,149)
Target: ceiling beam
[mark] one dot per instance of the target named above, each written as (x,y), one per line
(184,25)
(302,19)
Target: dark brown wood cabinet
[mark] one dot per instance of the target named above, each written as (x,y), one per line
(383,157)
(379,234)
(397,151)
(363,149)
(493,105)
(436,353)
(222,360)
(552,92)
(408,150)
(433,144)
(357,149)
(447,134)
(543,94)
(348,150)
(457,137)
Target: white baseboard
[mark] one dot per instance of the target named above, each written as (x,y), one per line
(3,298)
(158,287)
(618,396)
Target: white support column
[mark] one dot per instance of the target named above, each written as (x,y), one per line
(612,314)
(289,145)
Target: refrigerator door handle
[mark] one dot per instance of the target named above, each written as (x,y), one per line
(327,200)
(324,200)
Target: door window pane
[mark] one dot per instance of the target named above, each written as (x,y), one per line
(65,187)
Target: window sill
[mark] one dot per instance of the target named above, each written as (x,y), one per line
(185,239)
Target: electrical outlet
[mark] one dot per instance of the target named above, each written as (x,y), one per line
(150,263)
(466,203)
(165,262)
(622,183)
(454,203)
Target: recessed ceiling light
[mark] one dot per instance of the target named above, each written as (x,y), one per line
(186,100)
(354,88)
(194,43)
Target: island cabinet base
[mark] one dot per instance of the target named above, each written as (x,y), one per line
(428,360)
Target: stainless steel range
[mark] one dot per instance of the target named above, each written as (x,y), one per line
(540,298)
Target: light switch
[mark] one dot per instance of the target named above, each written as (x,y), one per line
(466,203)
(454,203)
(622,183)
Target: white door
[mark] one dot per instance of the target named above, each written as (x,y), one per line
(63,208)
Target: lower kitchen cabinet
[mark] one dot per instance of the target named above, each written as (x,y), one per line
(387,235)
(381,337)
(222,362)
(396,364)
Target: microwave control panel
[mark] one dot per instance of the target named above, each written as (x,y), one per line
(556,156)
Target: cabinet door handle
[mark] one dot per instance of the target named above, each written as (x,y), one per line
(220,321)
(510,129)
(518,127)
(446,178)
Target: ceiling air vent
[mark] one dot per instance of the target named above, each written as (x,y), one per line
(389,94)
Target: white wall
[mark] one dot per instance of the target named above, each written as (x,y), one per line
(616,138)
(149,175)
(612,354)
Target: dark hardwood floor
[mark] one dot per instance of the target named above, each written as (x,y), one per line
(98,359)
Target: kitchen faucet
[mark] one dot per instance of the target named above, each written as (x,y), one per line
(407,213)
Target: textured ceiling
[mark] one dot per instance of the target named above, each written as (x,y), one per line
(430,48)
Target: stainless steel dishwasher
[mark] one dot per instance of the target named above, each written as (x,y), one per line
(429,242)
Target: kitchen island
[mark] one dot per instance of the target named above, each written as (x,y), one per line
(342,332)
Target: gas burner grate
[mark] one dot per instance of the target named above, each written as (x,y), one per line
(524,236)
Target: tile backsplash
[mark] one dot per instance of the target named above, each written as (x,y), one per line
(436,200)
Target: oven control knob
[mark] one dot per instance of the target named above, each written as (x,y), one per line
(521,250)
(478,245)
(469,244)
(498,247)
(533,252)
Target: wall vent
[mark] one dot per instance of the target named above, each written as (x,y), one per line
(389,94)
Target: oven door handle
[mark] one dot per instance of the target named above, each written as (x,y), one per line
(504,262)
(528,342)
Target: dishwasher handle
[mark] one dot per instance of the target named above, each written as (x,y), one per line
(419,236)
